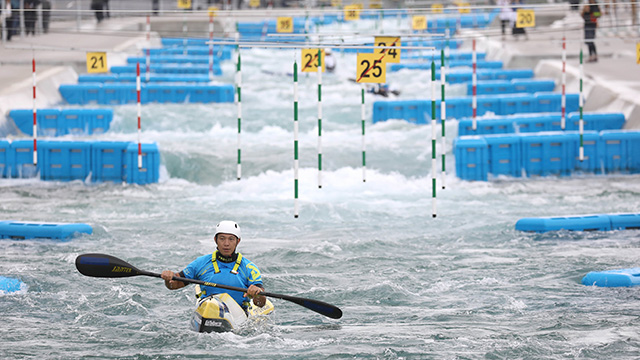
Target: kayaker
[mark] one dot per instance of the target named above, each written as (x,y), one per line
(224,266)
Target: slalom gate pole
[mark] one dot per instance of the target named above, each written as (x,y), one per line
(362,117)
(581,99)
(443,115)
(563,99)
(474,82)
(239,103)
(433,138)
(139,114)
(35,115)
(210,46)
(319,118)
(295,136)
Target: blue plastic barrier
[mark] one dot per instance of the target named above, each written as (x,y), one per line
(625,221)
(620,151)
(472,158)
(172,59)
(167,69)
(486,126)
(35,230)
(88,93)
(112,94)
(538,123)
(21,156)
(572,223)
(613,278)
(504,155)
(64,160)
(74,160)
(59,122)
(595,121)
(149,172)
(108,161)
(453,55)
(9,285)
(547,154)
(5,160)
(131,78)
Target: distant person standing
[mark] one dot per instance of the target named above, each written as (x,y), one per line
(46,15)
(5,15)
(98,6)
(13,22)
(590,14)
(515,30)
(30,16)
(506,15)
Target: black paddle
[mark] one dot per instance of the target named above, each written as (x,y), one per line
(103,265)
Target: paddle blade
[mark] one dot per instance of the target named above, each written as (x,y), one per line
(102,265)
(320,307)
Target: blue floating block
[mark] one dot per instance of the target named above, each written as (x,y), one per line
(620,151)
(485,126)
(537,123)
(613,278)
(5,159)
(21,155)
(472,158)
(150,170)
(547,153)
(108,161)
(595,121)
(504,155)
(9,285)
(592,161)
(64,160)
(625,221)
(81,94)
(572,223)
(17,230)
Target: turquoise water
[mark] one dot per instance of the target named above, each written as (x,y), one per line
(465,285)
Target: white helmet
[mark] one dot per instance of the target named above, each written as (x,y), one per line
(228,227)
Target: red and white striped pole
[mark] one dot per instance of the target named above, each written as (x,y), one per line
(474,80)
(564,81)
(148,28)
(139,113)
(147,73)
(35,122)
(148,59)
(210,46)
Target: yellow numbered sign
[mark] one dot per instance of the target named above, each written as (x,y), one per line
(310,60)
(464,8)
(437,8)
(96,62)
(390,55)
(419,22)
(254,3)
(336,3)
(371,68)
(638,53)
(375,4)
(351,13)
(184,4)
(284,25)
(525,18)
(212,11)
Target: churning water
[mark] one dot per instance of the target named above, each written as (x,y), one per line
(464,285)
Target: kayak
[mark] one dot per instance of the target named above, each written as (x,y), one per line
(220,313)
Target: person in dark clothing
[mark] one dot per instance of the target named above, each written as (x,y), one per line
(46,15)
(98,6)
(590,14)
(105,6)
(30,16)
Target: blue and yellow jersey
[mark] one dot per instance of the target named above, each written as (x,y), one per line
(241,273)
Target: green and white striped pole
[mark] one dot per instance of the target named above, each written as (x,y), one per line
(443,115)
(364,155)
(295,137)
(319,118)
(433,137)
(581,101)
(239,102)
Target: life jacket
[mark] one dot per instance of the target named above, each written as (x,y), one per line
(216,268)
